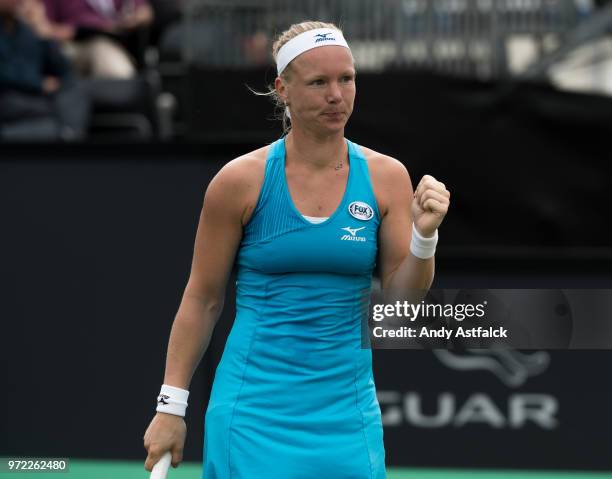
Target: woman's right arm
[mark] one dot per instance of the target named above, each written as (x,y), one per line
(217,240)
(227,199)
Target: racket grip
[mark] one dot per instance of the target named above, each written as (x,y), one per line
(160,470)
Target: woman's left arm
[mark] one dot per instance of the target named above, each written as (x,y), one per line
(402,273)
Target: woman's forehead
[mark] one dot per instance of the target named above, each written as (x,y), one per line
(327,59)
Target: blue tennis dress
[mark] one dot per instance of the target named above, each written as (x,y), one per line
(293,395)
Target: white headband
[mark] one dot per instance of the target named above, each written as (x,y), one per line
(319,37)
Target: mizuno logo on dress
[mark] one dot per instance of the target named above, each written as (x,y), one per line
(322,37)
(353,234)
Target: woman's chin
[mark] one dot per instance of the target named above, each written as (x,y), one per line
(334,122)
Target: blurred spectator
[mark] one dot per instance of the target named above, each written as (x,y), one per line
(38,95)
(94,33)
(257,49)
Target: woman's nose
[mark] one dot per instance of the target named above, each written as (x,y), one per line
(334,93)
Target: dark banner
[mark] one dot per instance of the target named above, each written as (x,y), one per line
(95,252)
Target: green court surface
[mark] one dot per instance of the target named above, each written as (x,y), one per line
(82,469)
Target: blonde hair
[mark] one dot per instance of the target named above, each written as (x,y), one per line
(292,32)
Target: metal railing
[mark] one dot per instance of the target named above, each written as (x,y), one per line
(483,38)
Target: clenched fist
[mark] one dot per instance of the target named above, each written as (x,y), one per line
(430,204)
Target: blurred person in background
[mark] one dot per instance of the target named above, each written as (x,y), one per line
(39,97)
(95,33)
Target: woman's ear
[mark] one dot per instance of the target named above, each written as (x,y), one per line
(281,89)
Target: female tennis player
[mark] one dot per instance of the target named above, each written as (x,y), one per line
(304,218)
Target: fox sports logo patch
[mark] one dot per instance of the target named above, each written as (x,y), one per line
(361,210)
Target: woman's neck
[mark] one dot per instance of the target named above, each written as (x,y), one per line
(318,153)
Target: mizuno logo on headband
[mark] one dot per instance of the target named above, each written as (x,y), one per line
(321,37)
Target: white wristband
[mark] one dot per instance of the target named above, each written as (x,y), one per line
(172,400)
(421,247)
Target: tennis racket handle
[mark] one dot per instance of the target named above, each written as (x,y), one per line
(160,470)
